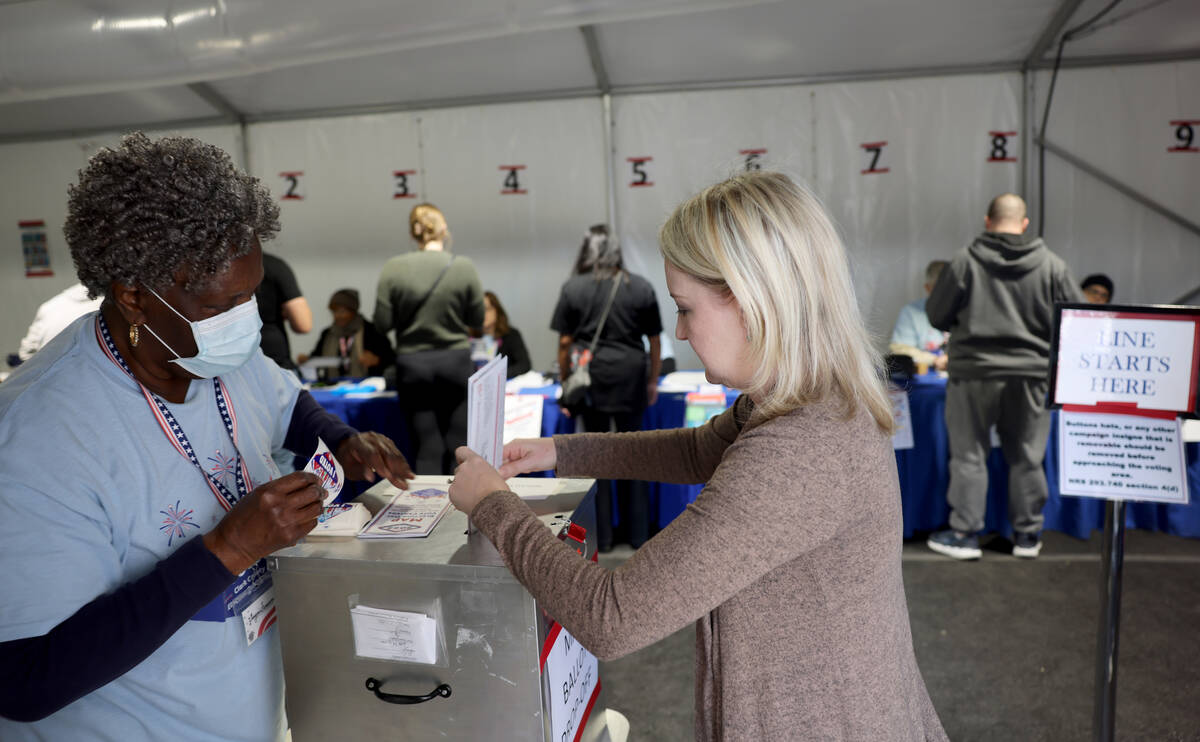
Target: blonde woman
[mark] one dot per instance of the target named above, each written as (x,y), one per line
(432,300)
(789,561)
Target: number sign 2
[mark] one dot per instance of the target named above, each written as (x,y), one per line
(292,179)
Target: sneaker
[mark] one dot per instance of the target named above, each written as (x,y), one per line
(955,545)
(1026,545)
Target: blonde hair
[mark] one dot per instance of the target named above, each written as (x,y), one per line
(768,243)
(426,223)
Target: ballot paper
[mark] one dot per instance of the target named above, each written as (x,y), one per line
(410,514)
(394,635)
(328,470)
(485,411)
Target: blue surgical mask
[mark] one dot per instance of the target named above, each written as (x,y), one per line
(223,343)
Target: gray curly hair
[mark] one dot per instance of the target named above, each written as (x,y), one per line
(148,209)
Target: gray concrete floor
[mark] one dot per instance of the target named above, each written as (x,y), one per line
(1007,646)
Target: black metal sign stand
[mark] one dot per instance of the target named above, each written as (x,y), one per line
(1112,565)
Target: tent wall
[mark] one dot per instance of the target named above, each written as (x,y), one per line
(33,186)
(349,221)
(1119,120)
(923,199)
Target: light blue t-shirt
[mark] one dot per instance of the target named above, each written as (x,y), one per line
(913,328)
(92,496)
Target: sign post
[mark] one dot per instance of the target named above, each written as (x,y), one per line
(1112,564)
(1121,377)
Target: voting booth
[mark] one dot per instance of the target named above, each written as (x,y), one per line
(432,637)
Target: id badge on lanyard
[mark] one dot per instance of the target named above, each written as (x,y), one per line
(253,599)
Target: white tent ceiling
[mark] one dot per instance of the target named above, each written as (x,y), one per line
(69,67)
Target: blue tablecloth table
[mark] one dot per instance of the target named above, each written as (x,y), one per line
(923,470)
(924,475)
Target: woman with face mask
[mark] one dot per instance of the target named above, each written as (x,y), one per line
(138,495)
(789,560)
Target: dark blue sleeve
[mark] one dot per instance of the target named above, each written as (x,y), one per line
(309,421)
(109,636)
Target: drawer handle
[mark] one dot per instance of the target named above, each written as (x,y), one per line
(373,685)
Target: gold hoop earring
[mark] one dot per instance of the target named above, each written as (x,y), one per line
(133,335)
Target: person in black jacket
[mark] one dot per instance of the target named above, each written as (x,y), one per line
(508,338)
(280,302)
(624,376)
(364,350)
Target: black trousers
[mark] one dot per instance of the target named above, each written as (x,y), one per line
(628,499)
(432,387)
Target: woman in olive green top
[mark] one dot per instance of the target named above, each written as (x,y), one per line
(431,299)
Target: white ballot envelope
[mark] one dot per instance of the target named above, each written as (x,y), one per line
(485,411)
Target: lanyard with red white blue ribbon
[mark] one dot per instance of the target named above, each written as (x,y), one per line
(170,426)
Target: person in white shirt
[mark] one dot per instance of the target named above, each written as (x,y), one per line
(913,336)
(54,315)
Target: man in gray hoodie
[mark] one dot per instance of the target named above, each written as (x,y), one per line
(997,301)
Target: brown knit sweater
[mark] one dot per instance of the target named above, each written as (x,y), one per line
(788,562)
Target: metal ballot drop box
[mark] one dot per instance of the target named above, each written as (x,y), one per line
(485,682)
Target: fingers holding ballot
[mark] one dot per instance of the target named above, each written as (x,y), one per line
(366,455)
(474,479)
(528,454)
(274,515)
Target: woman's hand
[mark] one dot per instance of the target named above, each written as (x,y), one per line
(651,392)
(528,454)
(474,479)
(366,455)
(303,357)
(273,516)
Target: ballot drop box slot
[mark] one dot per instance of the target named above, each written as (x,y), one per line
(474,647)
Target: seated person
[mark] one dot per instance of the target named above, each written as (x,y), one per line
(1097,288)
(913,336)
(508,341)
(364,350)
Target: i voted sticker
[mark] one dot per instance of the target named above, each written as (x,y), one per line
(328,470)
